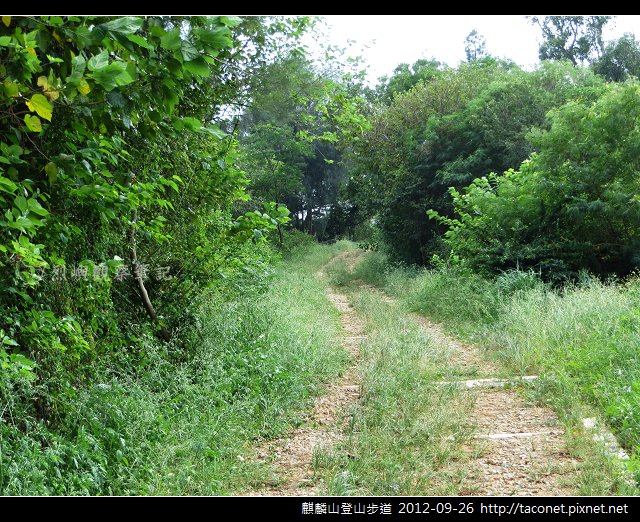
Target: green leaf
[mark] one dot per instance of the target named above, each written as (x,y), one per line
(117,100)
(52,172)
(175,67)
(171,40)
(216,39)
(36,207)
(138,40)
(215,131)
(8,186)
(188,51)
(85,37)
(170,100)
(21,203)
(84,87)
(193,124)
(198,67)
(125,25)
(11,89)
(112,76)
(231,21)
(78,66)
(41,105)
(33,123)
(4,41)
(20,360)
(98,61)
(157,31)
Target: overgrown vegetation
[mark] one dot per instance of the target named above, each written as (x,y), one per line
(582,339)
(183,423)
(154,172)
(403,437)
(132,268)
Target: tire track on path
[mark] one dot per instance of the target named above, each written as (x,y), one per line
(291,457)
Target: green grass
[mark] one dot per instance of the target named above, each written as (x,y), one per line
(405,434)
(259,373)
(582,340)
(184,423)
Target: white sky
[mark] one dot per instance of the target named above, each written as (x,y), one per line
(388,40)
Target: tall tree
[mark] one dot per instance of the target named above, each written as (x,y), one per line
(107,140)
(620,60)
(292,133)
(406,76)
(475,46)
(574,38)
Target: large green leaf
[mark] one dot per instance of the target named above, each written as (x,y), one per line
(11,89)
(36,207)
(170,99)
(124,25)
(171,40)
(193,124)
(98,61)
(216,39)
(215,131)
(78,66)
(199,67)
(231,21)
(138,40)
(8,186)
(84,37)
(188,51)
(39,104)
(21,203)
(112,76)
(116,100)
(52,172)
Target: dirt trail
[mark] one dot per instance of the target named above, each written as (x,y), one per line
(518,449)
(292,457)
(521,448)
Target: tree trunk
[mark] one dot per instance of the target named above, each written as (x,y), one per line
(308,221)
(137,276)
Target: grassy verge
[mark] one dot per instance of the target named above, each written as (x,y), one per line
(582,340)
(184,423)
(405,436)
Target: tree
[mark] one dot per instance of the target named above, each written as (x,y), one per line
(460,126)
(407,76)
(620,59)
(574,38)
(395,167)
(109,154)
(298,118)
(571,207)
(475,46)
(275,160)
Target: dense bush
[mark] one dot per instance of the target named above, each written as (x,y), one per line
(170,426)
(571,207)
(117,188)
(459,125)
